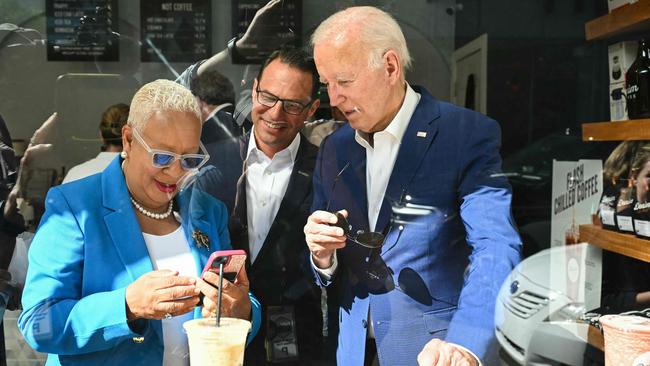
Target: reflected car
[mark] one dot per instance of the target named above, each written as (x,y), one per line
(536,321)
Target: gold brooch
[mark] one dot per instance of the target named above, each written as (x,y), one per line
(202,240)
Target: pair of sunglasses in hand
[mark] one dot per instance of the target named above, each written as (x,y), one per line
(370,240)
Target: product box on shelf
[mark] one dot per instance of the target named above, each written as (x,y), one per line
(617,103)
(613,4)
(624,210)
(621,56)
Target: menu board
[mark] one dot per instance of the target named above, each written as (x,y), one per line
(175,31)
(82,30)
(282,26)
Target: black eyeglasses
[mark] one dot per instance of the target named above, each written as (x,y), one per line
(367,239)
(290,106)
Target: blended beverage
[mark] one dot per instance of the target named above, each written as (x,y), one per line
(212,345)
(627,340)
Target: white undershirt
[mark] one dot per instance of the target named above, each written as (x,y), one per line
(172,251)
(266,183)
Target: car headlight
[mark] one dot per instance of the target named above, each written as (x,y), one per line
(571,312)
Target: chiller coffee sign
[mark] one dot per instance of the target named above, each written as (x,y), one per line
(578,188)
(577,270)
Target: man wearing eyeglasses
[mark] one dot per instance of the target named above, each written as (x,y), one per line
(272,203)
(425,177)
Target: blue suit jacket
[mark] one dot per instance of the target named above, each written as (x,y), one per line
(450,240)
(87,250)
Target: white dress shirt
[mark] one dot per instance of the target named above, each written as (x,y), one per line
(381,156)
(172,251)
(90,167)
(266,183)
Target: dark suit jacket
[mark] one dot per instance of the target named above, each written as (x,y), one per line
(281,273)
(221,126)
(444,260)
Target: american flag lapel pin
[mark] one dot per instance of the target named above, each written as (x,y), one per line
(202,240)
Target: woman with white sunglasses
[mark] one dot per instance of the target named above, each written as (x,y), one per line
(114,268)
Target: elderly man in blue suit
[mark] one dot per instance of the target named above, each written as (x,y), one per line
(426,175)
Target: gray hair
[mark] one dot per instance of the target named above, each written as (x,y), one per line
(377,30)
(160,95)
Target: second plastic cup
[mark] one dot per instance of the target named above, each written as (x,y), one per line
(627,340)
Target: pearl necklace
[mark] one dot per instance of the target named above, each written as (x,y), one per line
(153,215)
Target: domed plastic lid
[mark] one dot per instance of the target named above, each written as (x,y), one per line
(627,323)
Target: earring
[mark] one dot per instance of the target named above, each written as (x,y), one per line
(124,155)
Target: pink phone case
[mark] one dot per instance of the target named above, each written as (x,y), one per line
(236,260)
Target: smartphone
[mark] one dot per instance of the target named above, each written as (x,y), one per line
(233,261)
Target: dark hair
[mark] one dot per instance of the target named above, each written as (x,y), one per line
(298,58)
(113,119)
(213,88)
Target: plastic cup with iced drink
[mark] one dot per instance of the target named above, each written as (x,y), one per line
(627,340)
(211,345)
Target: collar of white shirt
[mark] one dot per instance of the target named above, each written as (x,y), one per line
(400,122)
(254,153)
(217,109)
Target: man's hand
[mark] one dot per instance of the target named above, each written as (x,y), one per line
(161,292)
(323,238)
(257,32)
(257,35)
(235,302)
(441,353)
(42,134)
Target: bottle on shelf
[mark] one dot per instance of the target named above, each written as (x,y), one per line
(637,83)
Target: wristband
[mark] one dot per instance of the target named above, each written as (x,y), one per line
(235,56)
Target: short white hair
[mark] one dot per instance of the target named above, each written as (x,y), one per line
(376,30)
(161,95)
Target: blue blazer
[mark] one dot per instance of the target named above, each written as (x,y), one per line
(87,250)
(450,239)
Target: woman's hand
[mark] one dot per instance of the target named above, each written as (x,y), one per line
(158,293)
(235,302)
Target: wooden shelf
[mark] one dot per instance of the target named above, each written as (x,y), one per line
(595,338)
(638,129)
(625,244)
(626,19)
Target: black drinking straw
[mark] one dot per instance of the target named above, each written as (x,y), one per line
(219,291)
